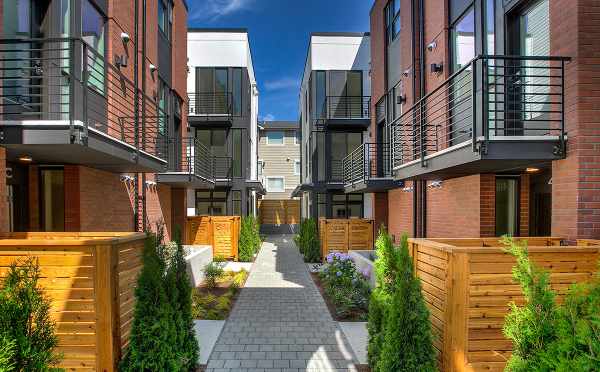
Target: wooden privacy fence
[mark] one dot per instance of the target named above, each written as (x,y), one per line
(467,284)
(90,279)
(343,235)
(220,232)
(279,212)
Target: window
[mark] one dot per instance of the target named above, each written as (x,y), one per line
(275,138)
(275,184)
(163,90)
(297,137)
(320,94)
(211,203)
(347,205)
(92,31)
(297,167)
(52,199)
(237,91)
(345,90)
(236,202)
(490,27)
(322,205)
(237,152)
(165,17)
(215,139)
(342,144)
(507,206)
(212,87)
(392,20)
(261,166)
(463,40)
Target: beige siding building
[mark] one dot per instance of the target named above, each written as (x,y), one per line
(279,158)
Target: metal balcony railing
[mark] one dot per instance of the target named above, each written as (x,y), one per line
(210,104)
(223,167)
(190,156)
(347,107)
(64,79)
(491,98)
(368,161)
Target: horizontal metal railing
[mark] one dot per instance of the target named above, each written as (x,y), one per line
(489,98)
(223,167)
(347,107)
(368,161)
(210,104)
(64,79)
(189,155)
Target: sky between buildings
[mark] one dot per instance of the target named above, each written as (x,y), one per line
(279,32)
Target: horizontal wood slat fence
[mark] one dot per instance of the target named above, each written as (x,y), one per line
(220,232)
(343,235)
(467,284)
(279,212)
(90,279)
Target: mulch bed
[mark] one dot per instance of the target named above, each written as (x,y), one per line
(362,368)
(358,316)
(223,287)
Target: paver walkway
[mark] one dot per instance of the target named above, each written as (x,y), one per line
(280,321)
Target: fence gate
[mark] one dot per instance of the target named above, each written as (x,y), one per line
(279,212)
(222,233)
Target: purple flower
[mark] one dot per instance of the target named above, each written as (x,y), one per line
(366,273)
(329,259)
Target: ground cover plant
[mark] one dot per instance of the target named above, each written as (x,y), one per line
(215,299)
(27,332)
(548,336)
(346,290)
(400,337)
(307,240)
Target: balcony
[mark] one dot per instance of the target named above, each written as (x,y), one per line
(223,169)
(367,169)
(210,108)
(62,103)
(190,165)
(345,112)
(497,113)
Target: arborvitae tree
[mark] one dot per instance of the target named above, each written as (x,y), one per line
(531,327)
(408,341)
(188,349)
(27,332)
(247,241)
(377,308)
(151,344)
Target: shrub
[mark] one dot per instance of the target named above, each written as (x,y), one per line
(212,273)
(307,240)
(377,307)
(249,241)
(530,327)
(407,341)
(576,346)
(26,329)
(181,300)
(344,285)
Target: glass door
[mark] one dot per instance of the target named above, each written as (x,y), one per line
(52,199)
(507,206)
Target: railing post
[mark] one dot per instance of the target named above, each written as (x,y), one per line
(85,78)
(474,120)
(562,107)
(71,44)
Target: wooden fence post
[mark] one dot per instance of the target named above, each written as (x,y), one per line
(108,338)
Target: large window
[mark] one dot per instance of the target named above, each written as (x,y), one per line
(347,205)
(211,203)
(297,167)
(165,17)
(275,184)
(214,139)
(237,152)
(163,92)
(212,91)
(320,94)
(236,202)
(92,31)
(275,138)
(52,199)
(393,24)
(507,206)
(345,94)
(342,144)
(237,91)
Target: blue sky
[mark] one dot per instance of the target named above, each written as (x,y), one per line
(279,32)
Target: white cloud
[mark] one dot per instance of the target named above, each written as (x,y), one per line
(210,10)
(283,83)
(268,117)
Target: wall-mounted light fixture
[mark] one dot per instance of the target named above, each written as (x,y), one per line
(406,72)
(401,99)
(25,159)
(152,68)
(125,37)
(121,61)
(435,185)
(532,170)
(431,46)
(126,178)
(408,189)
(437,68)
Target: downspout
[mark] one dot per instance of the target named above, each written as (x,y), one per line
(414,91)
(423,183)
(143,110)
(136,105)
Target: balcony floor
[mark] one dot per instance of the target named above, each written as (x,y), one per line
(373,185)
(502,155)
(184,180)
(49,142)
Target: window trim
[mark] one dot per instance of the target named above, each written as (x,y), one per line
(276,144)
(297,161)
(275,177)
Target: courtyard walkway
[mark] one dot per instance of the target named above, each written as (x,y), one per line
(280,321)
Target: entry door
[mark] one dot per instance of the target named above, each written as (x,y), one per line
(52,199)
(507,206)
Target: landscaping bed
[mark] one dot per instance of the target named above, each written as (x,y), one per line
(214,300)
(346,290)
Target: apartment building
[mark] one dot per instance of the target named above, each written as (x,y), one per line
(335,118)
(489,114)
(92,99)
(279,158)
(223,118)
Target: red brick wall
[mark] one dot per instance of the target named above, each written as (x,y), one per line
(158,207)
(453,210)
(34,198)
(72,198)
(576,180)
(436,29)
(106,201)
(3,191)
(380,209)
(524,205)
(179,210)
(400,207)
(179,60)
(487,205)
